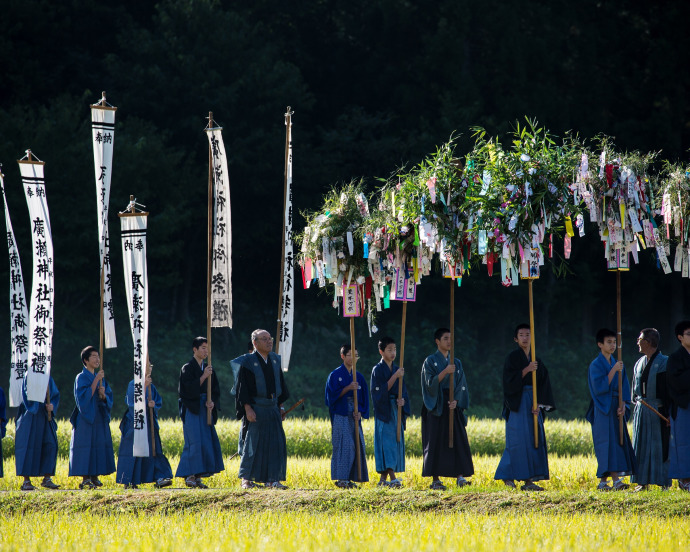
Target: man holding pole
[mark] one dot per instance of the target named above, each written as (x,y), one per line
(340,390)
(678,379)
(260,392)
(650,433)
(440,460)
(155,468)
(521,460)
(91,448)
(613,459)
(35,439)
(389,448)
(201,455)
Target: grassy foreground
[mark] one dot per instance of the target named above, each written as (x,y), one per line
(307,437)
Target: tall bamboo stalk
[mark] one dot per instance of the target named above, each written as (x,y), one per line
(451,360)
(533,353)
(621,417)
(153,429)
(279,330)
(209,411)
(401,364)
(354,379)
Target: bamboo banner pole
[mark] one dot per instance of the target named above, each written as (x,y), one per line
(533,353)
(451,360)
(279,330)
(48,412)
(153,429)
(354,379)
(209,411)
(621,418)
(401,364)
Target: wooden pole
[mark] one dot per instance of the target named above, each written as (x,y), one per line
(279,330)
(354,379)
(402,365)
(100,339)
(533,353)
(209,411)
(664,418)
(153,429)
(298,403)
(451,359)
(621,418)
(48,412)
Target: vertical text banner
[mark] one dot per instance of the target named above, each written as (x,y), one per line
(133,229)
(19,314)
(221,266)
(287,312)
(103,131)
(42,290)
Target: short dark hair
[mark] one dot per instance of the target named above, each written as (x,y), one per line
(385,342)
(438,334)
(86,353)
(345,349)
(198,342)
(652,336)
(522,326)
(603,333)
(681,327)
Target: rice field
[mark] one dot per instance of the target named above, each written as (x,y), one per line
(314,515)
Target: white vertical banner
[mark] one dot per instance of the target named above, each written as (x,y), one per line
(133,228)
(42,290)
(287,302)
(19,313)
(103,133)
(221,265)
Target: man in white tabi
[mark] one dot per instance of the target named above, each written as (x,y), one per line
(260,392)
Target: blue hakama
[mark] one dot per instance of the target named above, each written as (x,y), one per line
(264,449)
(35,440)
(679,445)
(388,453)
(91,447)
(343,460)
(133,470)
(520,459)
(201,455)
(611,456)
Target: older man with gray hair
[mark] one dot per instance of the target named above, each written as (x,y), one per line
(650,435)
(260,392)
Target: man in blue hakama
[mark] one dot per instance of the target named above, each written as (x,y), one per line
(201,455)
(650,433)
(35,439)
(3,424)
(260,392)
(388,452)
(520,459)
(613,459)
(91,448)
(678,380)
(340,390)
(440,460)
(131,470)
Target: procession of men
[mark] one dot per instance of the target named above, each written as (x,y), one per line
(658,401)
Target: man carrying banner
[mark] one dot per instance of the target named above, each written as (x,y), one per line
(35,439)
(133,470)
(440,460)
(260,394)
(91,448)
(340,390)
(678,379)
(650,433)
(201,455)
(520,459)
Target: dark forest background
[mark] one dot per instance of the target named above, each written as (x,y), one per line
(374,85)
